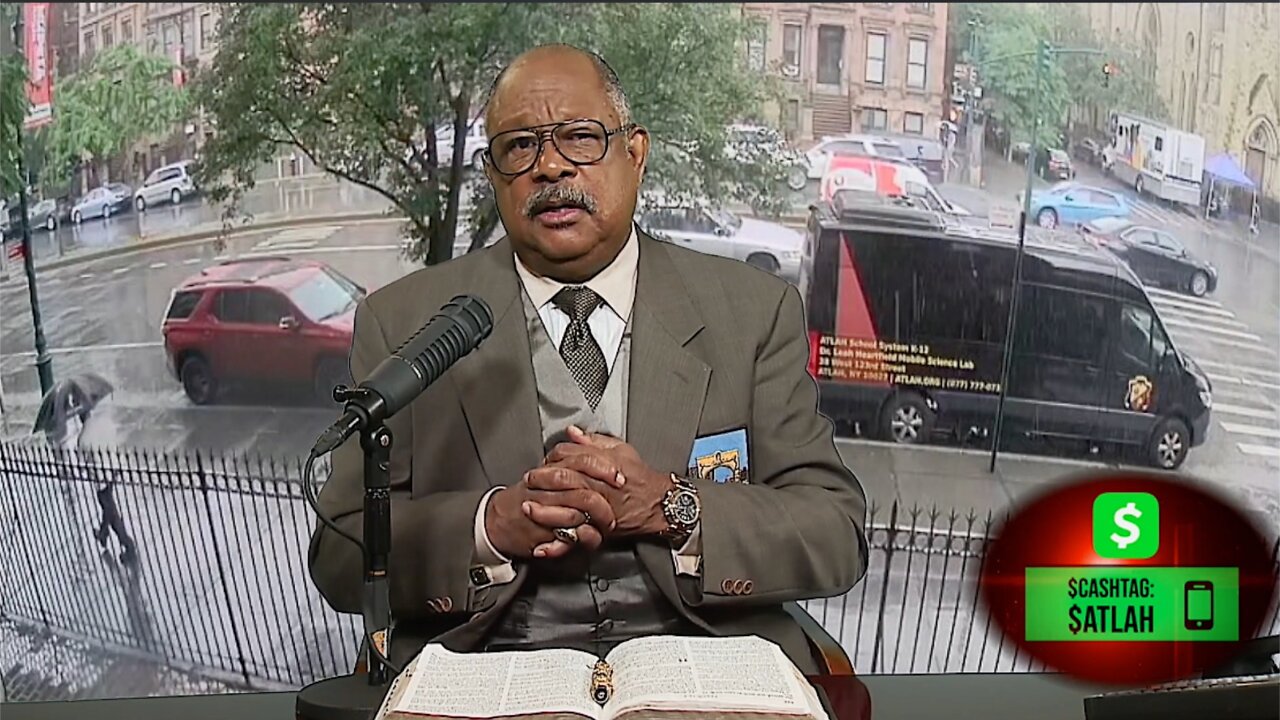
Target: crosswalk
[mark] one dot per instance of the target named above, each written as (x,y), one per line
(1243,369)
(1149,211)
(293,240)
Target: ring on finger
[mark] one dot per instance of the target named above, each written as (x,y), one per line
(569,535)
(586,518)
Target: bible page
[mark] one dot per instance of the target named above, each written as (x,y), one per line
(500,684)
(741,674)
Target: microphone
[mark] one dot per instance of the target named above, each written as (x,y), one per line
(456,330)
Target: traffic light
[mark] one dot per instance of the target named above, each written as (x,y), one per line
(1046,59)
(1107,71)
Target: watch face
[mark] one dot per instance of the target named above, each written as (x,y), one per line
(684,508)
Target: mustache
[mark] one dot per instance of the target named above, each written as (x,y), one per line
(560,196)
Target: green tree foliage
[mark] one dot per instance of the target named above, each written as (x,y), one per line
(13,105)
(361,89)
(122,96)
(1006,42)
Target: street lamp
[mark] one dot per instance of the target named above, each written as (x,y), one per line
(1044,62)
(44,366)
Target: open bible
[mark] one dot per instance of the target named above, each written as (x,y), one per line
(652,677)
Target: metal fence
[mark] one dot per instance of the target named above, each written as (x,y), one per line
(220,585)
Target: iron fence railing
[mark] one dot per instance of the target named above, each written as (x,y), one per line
(220,585)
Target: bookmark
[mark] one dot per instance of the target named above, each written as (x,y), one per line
(602,682)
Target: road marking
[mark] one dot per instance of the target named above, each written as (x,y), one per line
(285,247)
(1165,306)
(326,250)
(1223,378)
(1179,297)
(1227,332)
(121,270)
(1239,368)
(158,265)
(1258,413)
(90,348)
(1200,316)
(1251,430)
(1259,450)
(86,276)
(1213,343)
(192,261)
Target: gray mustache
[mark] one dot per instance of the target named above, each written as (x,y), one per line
(559,195)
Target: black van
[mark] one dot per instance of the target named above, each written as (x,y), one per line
(908,311)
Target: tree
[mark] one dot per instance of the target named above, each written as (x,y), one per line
(122,96)
(361,90)
(13,106)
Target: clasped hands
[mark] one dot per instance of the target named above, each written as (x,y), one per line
(595,484)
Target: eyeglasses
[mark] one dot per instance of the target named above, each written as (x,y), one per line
(581,142)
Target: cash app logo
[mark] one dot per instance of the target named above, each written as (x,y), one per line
(1126,525)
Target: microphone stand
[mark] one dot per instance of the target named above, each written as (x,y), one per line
(352,697)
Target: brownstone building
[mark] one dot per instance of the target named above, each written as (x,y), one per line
(851,67)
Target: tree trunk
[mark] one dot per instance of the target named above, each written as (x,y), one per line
(441,248)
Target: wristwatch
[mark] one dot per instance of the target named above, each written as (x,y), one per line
(682,509)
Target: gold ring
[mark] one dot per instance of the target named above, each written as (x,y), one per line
(569,535)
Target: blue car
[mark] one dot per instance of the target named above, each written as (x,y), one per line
(1070,203)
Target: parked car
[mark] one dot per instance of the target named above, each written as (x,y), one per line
(767,245)
(819,156)
(1070,203)
(171,183)
(266,320)
(103,201)
(1055,164)
(43,215)
(1088,150)
(907,311)
(475,143)
(1154,255)
(925,153)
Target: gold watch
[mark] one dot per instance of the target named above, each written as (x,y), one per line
(682,509)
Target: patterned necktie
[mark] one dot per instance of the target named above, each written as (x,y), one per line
(581,352)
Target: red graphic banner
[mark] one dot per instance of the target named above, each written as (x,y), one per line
(39,63)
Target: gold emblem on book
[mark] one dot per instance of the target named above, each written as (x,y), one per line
(602,682)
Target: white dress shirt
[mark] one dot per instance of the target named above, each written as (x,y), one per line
(616,285)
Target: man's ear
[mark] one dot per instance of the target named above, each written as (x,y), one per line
(638,148)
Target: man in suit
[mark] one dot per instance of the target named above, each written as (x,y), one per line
(635,449)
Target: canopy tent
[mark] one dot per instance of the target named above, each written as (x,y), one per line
(1223,168)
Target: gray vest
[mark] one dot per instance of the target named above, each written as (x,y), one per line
(589,603)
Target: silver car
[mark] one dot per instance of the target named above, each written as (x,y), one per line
(767,245)
(103,201)
(170,183)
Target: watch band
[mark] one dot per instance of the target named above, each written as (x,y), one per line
(678,530)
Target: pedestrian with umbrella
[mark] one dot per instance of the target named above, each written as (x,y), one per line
(63,416)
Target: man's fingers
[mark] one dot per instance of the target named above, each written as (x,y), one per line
(589,539)
(587,460)
(576,501)
(554,516)
(599,440)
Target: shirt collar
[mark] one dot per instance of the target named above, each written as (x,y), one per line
(616,283)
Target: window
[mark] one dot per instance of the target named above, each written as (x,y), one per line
(875,119)
(184,303)
(255,306)
(876,44)
(322,297)
(1215,72)
(791,35)
(108,37)
(89,46)
(917,62)
(913,123)
(206,30)
(830,54)
(153,41)
(126,31)
(170,35)
(1062,324)
(1137,341)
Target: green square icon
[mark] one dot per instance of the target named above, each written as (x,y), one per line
(1126,525)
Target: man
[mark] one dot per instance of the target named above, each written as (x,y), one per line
(635,449)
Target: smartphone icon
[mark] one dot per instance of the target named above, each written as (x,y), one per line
(1198,604)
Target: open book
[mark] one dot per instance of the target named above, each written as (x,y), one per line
(659,676)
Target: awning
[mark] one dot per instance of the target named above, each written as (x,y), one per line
(1224,168)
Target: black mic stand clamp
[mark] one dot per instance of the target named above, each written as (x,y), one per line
(346,697)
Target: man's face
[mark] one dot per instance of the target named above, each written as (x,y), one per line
(566,220)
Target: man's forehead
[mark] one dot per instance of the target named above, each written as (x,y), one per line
(534,94)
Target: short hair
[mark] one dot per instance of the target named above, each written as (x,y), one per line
(612,86)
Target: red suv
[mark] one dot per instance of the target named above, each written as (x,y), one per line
(271,321)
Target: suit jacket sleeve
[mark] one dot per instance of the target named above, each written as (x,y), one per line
(431,534)
(796,531)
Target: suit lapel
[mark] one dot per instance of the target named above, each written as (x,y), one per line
(496,385)
(668,383)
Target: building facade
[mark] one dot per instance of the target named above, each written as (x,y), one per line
(852,67)
(1216,67)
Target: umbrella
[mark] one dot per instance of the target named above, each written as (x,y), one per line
(77,394)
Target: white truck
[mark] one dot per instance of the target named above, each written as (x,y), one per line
(1155,158)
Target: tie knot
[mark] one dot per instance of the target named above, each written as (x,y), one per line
(577,302)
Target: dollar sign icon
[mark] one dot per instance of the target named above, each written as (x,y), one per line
(1122,521)
(1126,525)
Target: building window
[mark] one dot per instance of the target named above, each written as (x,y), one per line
(875,119)
(917,62)
(108,37)
(920,7)
(1215,72)
(170,35)
(913,123)
(89,45)
(791,35)
(126,31)
(830,55)
(206,28)
(876,44)
(153,41)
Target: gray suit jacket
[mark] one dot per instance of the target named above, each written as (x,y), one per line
(716,345)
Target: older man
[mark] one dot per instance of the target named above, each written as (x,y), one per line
(635,450)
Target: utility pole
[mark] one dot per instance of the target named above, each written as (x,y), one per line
(1044,63)
(44,366)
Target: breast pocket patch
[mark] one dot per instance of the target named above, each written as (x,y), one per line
(722,457)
